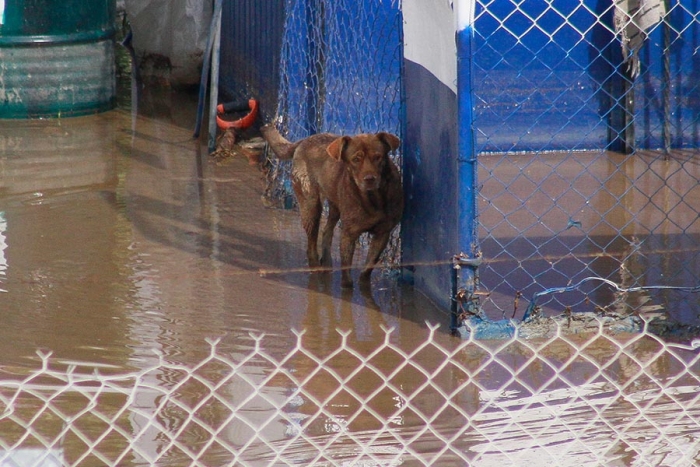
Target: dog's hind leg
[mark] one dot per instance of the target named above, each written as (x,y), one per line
(327,235)
(310,209)
(310,220)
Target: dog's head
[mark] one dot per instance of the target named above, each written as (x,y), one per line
(366,156)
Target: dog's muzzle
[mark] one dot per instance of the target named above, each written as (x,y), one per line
(370,182)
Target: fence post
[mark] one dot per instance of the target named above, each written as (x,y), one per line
(464,267)
(214,74)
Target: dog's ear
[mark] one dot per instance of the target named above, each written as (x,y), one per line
(392,141)
(336,148)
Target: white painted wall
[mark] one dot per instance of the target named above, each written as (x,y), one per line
(429,37)
(176,29)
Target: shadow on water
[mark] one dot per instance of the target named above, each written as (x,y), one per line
(121,237)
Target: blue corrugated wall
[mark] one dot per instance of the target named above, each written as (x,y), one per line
(340,67)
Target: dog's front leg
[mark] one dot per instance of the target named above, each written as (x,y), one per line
(347,251)
(376,246)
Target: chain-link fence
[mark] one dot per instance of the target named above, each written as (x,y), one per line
(585,118)
(581,399)
(340,67)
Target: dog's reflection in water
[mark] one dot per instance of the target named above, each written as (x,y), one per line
(331,308)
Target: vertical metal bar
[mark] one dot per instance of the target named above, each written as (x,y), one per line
(666,87)
(622,123)
(214,91)
(464,277)
(466,159)
(455,318)
(205,72)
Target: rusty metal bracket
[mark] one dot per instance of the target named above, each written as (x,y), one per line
(465,296)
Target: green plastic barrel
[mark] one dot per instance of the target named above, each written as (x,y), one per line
(56,57)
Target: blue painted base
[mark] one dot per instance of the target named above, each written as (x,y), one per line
(429,228)
(543,327)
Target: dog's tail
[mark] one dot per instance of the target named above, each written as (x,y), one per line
(282,148)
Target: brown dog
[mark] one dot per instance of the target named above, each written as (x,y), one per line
(361,184)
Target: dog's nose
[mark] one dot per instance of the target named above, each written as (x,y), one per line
(370,181)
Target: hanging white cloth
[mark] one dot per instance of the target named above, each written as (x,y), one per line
(633,20)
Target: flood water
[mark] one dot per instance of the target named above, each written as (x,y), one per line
(553,219)
(119,235)
(125,249)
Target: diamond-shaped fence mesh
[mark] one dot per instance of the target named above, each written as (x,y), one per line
(340,66)
(587,152)
(587,169)
(570,399)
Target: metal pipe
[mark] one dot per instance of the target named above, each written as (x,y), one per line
(204,79)
(466,159)
(666,87)
(214,85)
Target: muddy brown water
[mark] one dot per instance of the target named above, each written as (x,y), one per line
(119,236)
(553,219)
(121,243)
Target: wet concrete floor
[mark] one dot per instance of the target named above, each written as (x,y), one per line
(119,236)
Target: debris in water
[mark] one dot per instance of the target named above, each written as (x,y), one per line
(228,147)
